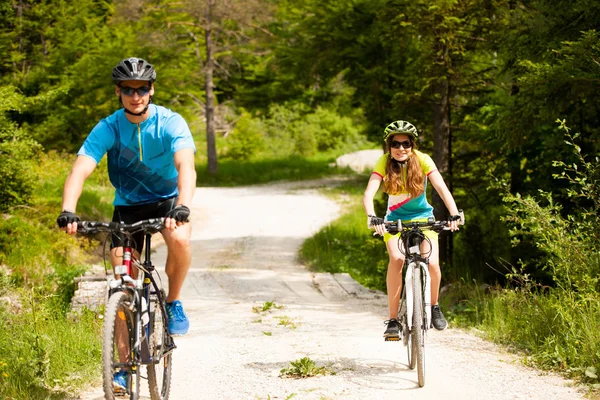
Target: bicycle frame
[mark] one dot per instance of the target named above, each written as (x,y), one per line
(141,289)
(135,300)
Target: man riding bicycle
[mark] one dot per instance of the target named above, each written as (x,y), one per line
(404,172)
(150,153)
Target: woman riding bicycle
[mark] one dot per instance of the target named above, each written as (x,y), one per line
(404,171)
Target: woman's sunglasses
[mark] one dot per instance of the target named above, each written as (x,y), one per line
(407,144)
(129,91)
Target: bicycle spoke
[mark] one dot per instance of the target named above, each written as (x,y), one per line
(159,370)
(120,376)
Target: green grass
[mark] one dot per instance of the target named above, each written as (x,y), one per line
(551,328)
(43,354)
(41,262)
(266,306)
(238,173)
(286,321)
(346,245)
(304,368)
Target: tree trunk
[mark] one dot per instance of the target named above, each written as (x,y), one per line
(442,159)
(211,145)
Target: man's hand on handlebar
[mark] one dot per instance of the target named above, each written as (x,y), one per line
(177,217)
(67,221)
(377,223)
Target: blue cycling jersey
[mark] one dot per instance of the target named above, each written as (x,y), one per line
(140,156)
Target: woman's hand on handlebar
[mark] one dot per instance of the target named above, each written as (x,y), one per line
(455,220)
(453,225)
(376,223)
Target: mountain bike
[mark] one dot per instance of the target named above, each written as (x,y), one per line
(135,319)
(414,313)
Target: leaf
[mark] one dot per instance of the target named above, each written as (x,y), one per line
(590,372)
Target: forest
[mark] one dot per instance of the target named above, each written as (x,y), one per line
(505,95)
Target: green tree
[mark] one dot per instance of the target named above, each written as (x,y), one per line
(61,54)
(217,27)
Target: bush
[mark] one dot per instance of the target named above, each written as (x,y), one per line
(334,131)
(246,140)
(17,155)
(558,325)
(295,128)
(570,244)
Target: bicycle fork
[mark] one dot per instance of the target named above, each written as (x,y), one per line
(426,288)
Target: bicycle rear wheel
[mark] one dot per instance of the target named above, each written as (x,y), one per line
(417,333)
(118,342)
(159,370)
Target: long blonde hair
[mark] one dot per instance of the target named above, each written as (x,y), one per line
(403,178)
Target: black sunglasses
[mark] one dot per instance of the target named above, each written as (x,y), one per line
(129,91)
(407,144)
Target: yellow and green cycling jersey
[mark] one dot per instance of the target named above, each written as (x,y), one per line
(401,206)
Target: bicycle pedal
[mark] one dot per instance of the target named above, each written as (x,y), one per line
(392,339)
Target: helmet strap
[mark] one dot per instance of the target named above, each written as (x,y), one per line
(136,114)
(402,164)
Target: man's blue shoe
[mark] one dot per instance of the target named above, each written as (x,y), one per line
(178,321)
(120,381)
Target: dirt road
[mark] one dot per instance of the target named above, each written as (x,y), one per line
(245,242)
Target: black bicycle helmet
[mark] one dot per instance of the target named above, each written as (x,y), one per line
(400,128)
(133,69)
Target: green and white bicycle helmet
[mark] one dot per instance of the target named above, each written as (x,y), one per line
(400,128)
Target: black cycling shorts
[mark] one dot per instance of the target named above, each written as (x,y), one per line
(131,214)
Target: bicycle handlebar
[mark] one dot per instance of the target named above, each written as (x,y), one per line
(438,226)
(152,225)
(392,227)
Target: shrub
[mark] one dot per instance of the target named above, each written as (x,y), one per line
(570,245)
(296,129)
(559,325)
(17,155)
(246,140)
(334,131)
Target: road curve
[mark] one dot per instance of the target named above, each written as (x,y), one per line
(245,242)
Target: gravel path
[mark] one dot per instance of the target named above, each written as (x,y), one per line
(245,242)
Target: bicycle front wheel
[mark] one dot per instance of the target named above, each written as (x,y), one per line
(120,374)
(160,367)
(406,337)
(417,333)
